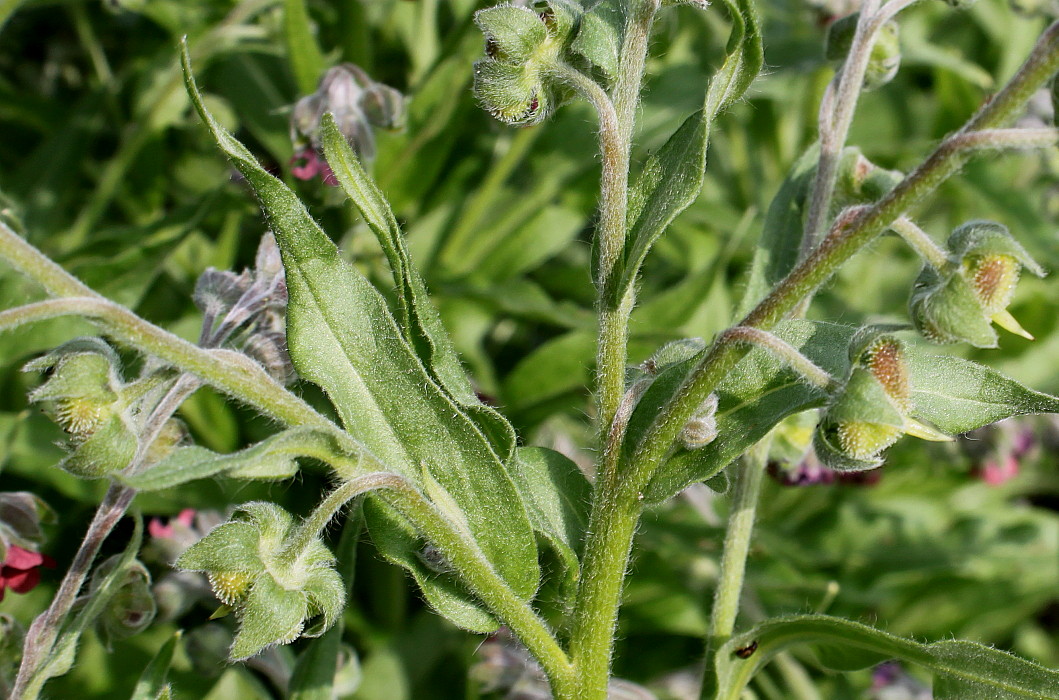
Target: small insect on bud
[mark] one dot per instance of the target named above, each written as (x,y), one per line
(961,301)
(885,57)
(701,428)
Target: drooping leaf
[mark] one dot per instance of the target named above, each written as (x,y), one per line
(557,496)
(397,540)
(962,670)
(343,337)
(957,395)
(672,178)
(420,321)
(272,458)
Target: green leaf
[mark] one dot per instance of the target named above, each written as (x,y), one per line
(343,337)
(781,239)
(957,395)
(557,495)
(962,670)
(759,393)
(306,60)
(600,36)
(672,178)
(272,614)
(272,458)
(397,540)
(420,321)
(152,683)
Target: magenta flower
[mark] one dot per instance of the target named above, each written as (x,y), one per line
(20,570)
(307,164)
(156,528)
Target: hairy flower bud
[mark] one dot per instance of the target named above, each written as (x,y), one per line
(132,608)
(962,300)
(274,589)
(885,56)
(701,428)
(84,395)
(872,411)
(522,47)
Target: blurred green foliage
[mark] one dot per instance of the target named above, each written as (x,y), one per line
(107,170)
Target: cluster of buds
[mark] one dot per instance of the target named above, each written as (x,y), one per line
(885,59)
(260,567)
(514,82)
(249,310)
(86,396)
(359,104)
(960,301)
(872,410)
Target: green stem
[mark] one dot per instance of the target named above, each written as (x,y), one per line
(845,241)
(747,478)
(479,575)
(313,525)
(782,350)
(921,242)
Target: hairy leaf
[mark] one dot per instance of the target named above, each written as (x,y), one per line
(343,337)
(152,683)
(962,670)
(672,178)
(420,321)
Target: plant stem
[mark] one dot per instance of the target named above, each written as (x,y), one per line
(746,489)
(921,242)
(615,508)
(845,241)
(317,520)
(782,350)
(41,636)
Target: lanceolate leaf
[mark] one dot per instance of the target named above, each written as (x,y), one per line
(672,178)
(343,337)
(781,238)
(420,321)
(956,395)
(272,458)
(152,683)
(962,670)
(557,495)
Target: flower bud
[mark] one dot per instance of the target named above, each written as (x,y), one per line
(872,410)
(701,428)
(21,516)
(885,54)
(522,46)
(512,34)
(83,391)
(859,181)
(273,589)
(962,300)
(216,291)
(132,608)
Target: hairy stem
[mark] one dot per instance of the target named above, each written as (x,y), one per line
(41,636)
(746,489)
(784,351)
(980,132)
(921,242)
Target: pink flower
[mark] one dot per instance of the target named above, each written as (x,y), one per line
(307,164)
(20,570)
(996,472)
(159,530)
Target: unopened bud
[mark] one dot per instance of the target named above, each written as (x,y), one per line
(961,301)
(885,54)
(701,428)
(512,34)
(131,609)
